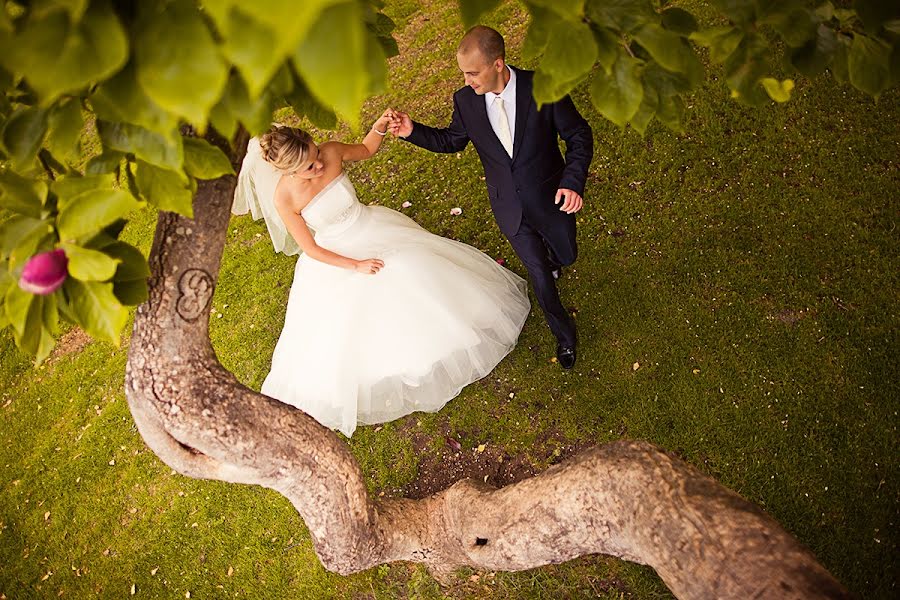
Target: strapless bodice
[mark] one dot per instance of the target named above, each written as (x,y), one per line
(334,209)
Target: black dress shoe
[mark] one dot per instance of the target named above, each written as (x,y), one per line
(566,356)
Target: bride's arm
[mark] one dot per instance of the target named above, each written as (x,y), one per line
(370,144)
(296,226)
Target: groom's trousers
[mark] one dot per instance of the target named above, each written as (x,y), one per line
(541,252)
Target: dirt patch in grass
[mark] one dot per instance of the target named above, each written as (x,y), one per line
(73,341)
(438,470)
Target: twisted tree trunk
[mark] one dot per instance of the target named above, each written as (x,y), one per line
(626,499)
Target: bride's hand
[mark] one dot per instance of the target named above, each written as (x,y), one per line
(381,125)
(369,266)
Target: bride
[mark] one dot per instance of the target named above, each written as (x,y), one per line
(383,318)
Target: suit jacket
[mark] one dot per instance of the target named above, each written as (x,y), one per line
(526,184)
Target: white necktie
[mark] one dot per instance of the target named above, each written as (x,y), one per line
(503,134)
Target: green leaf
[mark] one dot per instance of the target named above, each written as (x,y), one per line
(741,12)
(20,194)
(670,51)
(665,82)
(340,74)
(570,55)
(204,161)
(23,135)
(779,91)
(260,36)
(646,110)
(607,48)
(132,263)
(25,240)
(471,10)
(56,56)
(570,10)
(131,292)
(796,27)
(869,65)
(96,308)
(29,338)
(107,162)
(163,151)
(68,187)
(16,304)
(50,315)
(847,17)
(303,103)
(236,106)
(670,113)
(382,27)
(167,189)
(12,230)
(745,67)
(91,211)
(619,96)
(825,11)
(625,15)
(121,99)
(89,265)
(876,13)
(131,180)
(721,41)
(65,125)
(45,345)
(185,75)
(542,22)
(75,8)
(840,61)
(6,281)
(815,56)
(679,20)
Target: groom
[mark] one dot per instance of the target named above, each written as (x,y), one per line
(534,193)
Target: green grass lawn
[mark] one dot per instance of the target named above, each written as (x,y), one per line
(736,297)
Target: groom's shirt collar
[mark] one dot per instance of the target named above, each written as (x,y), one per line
(509,92)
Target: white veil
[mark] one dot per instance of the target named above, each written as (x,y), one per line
(255,193)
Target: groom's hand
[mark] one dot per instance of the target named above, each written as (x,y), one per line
(401,125)
(572,201)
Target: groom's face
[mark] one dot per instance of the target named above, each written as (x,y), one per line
(481,75)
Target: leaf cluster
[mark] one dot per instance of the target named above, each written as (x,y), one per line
(642,58)
(145,76)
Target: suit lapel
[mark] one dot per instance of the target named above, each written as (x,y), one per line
(482,123)
(523,105)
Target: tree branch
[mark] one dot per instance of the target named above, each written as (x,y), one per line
(626,499)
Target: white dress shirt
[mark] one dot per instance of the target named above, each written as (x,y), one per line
(509,103)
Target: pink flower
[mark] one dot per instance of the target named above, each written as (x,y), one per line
(456,211)
(501,262)
(44,272)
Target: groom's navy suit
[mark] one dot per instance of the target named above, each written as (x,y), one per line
(522,189)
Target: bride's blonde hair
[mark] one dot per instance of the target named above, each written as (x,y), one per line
(286,148)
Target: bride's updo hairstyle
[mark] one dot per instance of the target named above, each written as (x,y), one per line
(286,148)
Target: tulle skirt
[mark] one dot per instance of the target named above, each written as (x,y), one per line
(364,349)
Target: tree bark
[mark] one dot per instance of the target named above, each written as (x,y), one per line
(627,499)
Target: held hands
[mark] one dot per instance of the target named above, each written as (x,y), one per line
(401,124)
(572,201)
(383,123)
(369,266)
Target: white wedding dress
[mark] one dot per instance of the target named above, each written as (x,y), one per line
(363,349)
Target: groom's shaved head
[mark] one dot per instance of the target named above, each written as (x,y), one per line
(487,41)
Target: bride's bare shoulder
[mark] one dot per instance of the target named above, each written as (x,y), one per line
(292,194)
